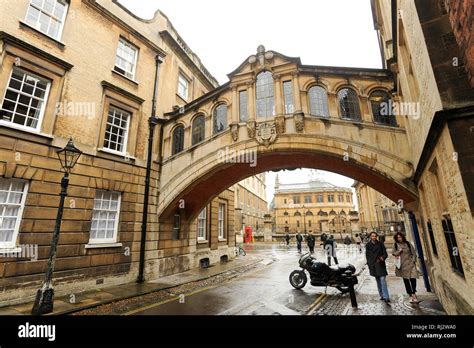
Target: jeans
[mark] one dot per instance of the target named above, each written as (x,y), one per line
(382,287)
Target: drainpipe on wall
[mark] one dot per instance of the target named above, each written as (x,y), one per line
(419,248)
(152,122)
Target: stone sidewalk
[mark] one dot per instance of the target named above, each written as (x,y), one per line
(369,302)
(92,298)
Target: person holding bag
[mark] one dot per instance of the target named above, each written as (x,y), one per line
(405,264)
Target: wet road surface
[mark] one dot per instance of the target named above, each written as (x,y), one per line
(263,292)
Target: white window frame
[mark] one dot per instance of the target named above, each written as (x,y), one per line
(12,243)
(185,86)
(125,142)
(221,221)
(117,219)
(202,219)
(39,123)
(37,25)
(128,74)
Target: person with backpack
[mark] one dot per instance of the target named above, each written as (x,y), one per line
(376,254)
(406,264)
(299,240)
(330,247)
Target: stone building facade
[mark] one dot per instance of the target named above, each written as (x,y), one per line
(314,207)
(377,212)
(250,203)
(86,70)
(428,46)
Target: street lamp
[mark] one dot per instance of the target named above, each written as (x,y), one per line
(304,219)
(45,296)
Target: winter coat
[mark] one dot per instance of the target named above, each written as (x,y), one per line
(311,240)
(376,254)
(299,238)
(330,247)
(408,260)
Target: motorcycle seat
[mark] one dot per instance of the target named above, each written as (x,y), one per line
(342,269)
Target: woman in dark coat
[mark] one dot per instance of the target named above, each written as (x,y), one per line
(376,255)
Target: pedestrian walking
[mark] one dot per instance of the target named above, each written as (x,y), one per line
(376,254)
(405,263)
(330,247)
(311,241)
(299,239)
(287,238)
(347,241)
(382,237)
(358,242)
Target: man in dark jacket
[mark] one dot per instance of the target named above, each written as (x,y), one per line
(287,239)
(299,239)
(330,247)
(311,241)
(376,254)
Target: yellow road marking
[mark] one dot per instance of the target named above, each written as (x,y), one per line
(315,304)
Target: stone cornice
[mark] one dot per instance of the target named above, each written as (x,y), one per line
(127,94)
(14,41)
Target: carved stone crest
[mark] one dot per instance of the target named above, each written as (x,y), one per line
(280,124)
(266,133)
(251,129)
(234,131)
(299,122)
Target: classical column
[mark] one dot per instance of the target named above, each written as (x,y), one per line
(251,124)
(277,95)
(365,114)
(332,105)
(296,93)
(235,110)
(251,101)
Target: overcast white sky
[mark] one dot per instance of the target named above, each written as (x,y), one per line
(321,32)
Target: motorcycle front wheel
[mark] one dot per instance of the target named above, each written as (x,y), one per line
(298,279)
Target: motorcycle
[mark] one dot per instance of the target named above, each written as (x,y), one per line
(341,278)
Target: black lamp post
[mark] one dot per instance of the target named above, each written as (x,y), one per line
(45,296)
(304,219)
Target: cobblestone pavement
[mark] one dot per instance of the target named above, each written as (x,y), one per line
(369,302)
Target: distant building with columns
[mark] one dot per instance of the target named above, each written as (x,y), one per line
(314,207)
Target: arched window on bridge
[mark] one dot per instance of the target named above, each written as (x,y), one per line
(381,105)
(309,213)
(349,104)
(265,95)
(199,129)
(178,140)
(318,101)
(220,118)
(297,213)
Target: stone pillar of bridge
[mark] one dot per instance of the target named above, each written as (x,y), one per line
(251,101)
(278,95)
(332,104)
(364,109)
(235,109)
(296,93)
